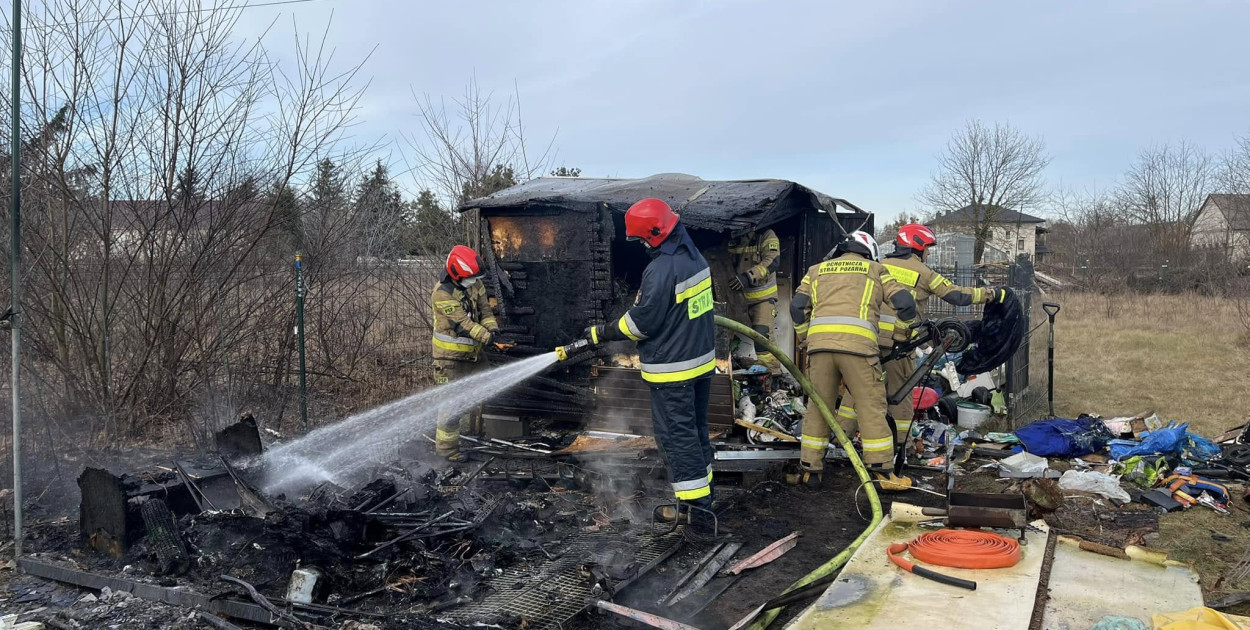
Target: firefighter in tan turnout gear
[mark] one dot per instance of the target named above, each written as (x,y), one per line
(756,257)
(463,326)
(837,309)
(906,265)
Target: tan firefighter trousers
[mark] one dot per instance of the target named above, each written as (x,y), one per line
(864,379)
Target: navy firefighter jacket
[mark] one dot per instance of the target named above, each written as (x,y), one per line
(672,320)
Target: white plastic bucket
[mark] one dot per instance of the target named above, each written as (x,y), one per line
(303,581)
(972,415)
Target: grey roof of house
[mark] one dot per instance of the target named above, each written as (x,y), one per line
(969,214)
(735,206)
(1236,209)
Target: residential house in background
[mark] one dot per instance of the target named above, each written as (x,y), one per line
(1011,235)
(1223,222)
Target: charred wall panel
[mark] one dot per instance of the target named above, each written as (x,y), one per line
(556,266)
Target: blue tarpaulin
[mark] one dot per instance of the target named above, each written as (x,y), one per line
(1172,440)
(1064,437)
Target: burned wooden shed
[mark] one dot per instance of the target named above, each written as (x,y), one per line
(558,259)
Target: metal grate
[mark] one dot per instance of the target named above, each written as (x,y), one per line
(557,592)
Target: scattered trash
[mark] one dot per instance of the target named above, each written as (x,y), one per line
(746,409)
(973,415)
(303,582)
(1193,619)
(705,574)
(1162,499)
(9,622)
(1120,623)
(1002,438)
(765,555)
(1023,466)
(1064,437)
(1094,482)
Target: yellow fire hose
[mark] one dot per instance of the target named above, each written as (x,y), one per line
(837,561)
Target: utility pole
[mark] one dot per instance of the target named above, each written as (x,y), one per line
(299,339)
(15,274)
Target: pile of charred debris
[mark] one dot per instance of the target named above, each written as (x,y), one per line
(526,536)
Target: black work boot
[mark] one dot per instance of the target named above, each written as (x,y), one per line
(812,479)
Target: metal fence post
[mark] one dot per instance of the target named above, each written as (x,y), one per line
(299,337)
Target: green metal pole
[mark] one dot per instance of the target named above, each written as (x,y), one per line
(15,275)
(299,336)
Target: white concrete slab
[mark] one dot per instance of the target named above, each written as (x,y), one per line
(1085,587)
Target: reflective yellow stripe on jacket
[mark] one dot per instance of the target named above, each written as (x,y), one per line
(886,325)
(762,291)
(455,344)
(847,325)
(629,328)
(693,285)
(679,371)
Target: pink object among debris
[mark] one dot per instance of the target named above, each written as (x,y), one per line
(765,555)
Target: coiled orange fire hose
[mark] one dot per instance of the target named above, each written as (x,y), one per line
(957,548)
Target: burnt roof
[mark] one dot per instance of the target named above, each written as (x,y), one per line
(1236,209)
(969,214)
(736,206)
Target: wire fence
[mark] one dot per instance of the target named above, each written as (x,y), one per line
(1024,378)
(368,341)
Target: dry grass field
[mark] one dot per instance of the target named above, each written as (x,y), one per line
(1183,356)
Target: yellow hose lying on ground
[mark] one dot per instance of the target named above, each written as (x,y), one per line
(837,561)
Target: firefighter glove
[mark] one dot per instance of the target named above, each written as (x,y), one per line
(739,281)
(593,334)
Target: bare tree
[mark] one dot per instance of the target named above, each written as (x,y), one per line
(1164,190)
(987,169)
(166,148)
(1092,238)
(1234,175)
(472,148)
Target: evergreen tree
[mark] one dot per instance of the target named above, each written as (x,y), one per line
(380,209)
(287,230)
(499,178)
(429,230)
(327,218)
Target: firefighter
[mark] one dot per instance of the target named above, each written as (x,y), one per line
(906,265)
(463,326)
(756,257)
(836,311)
(672,321)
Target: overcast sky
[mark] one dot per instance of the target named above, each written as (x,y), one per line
(853,99)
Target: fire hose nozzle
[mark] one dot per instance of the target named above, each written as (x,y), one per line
(564,352)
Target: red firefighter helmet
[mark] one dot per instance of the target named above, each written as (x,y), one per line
(463,263)
(650,220)
(916,236)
